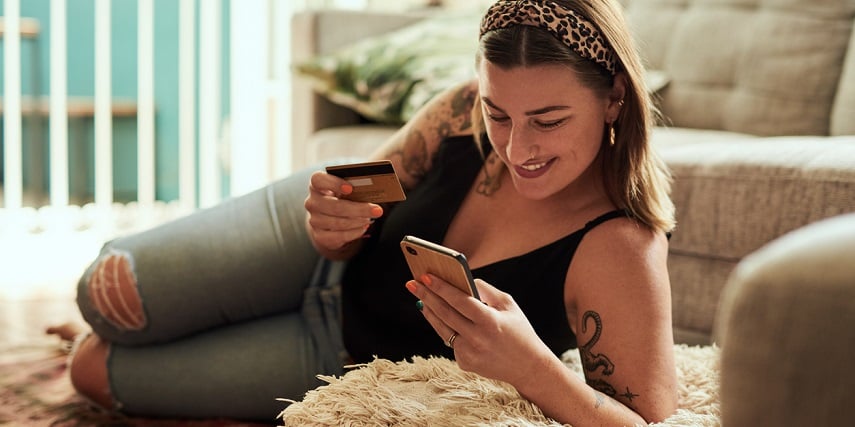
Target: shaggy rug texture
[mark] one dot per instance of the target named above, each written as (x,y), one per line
(435,392)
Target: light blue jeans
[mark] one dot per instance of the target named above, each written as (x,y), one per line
(240,310)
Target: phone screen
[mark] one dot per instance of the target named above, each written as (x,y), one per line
(427,257)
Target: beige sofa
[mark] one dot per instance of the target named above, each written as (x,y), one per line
(760,137)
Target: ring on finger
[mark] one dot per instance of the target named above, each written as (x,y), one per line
(450,341)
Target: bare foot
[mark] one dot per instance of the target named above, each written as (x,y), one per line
(65,331)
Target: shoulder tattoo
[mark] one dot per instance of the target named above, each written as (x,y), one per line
(451,117)
(414,154)
(461,107)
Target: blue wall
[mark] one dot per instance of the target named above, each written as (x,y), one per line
(81,83)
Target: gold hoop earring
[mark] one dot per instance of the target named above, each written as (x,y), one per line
(612,134)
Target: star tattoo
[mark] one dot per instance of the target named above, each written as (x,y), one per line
(629,395)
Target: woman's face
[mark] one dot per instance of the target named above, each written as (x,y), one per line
(544,124)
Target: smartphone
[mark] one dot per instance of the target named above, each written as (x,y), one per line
(374,182)
(427,257)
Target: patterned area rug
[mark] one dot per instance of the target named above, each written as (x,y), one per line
(36,392)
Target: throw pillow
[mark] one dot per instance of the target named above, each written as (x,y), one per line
(387,78)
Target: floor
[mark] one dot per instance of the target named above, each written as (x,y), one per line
(23,324)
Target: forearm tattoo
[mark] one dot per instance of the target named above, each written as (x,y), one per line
(599,362)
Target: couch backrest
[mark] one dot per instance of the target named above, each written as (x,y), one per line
(321,31)
(763,67)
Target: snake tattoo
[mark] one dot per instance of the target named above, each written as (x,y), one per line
(591,361)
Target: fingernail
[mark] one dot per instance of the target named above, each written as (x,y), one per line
(346,188)
(376,211)
(411,286)
(425,279)
(420,305)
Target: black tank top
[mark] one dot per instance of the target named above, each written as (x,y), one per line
(379,314)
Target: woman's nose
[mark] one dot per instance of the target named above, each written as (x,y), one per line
(519,145)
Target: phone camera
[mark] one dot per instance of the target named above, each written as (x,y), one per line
(412,250)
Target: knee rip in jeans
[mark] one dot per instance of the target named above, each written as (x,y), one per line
(112,288)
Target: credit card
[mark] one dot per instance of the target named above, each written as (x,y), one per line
(374,182)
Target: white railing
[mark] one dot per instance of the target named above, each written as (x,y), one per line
(209,114)
(58,107)
(13,155)
(69,236)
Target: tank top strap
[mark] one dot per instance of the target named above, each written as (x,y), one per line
(617,213)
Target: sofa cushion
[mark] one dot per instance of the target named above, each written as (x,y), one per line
(735,194)
(764,67)
(734,198)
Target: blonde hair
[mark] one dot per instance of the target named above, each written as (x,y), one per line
(635,178)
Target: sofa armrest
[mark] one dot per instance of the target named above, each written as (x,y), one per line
(322,31)
(785,330)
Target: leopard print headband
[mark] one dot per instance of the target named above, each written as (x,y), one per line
(568,26)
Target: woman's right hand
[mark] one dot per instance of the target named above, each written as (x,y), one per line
(334,223)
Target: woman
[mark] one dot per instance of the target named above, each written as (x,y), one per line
(540,172)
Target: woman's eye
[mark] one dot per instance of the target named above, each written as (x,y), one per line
(498,119)
(550,125)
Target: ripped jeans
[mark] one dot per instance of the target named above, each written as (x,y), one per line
(219,313)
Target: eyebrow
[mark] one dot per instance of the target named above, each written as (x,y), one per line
(536,112)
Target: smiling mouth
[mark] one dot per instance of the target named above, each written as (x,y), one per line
(534,167)
(534,170)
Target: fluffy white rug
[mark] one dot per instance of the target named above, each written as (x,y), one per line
(435,392)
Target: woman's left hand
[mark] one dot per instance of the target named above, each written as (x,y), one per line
(494,338)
